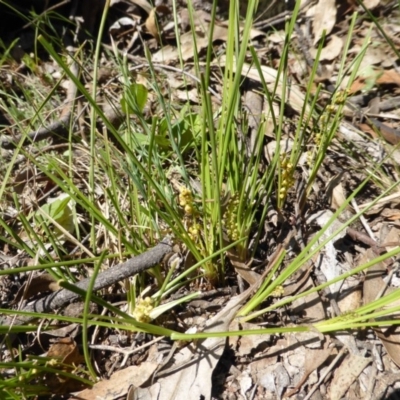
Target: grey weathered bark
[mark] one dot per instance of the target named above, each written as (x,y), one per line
(62,297)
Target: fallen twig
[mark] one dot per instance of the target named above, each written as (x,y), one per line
(62,297)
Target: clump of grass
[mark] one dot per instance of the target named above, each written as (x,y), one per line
(181,171)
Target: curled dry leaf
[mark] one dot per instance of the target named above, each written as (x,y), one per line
(247,345)
(335,191)
(242,268)
(65,351)
(328,260)
(151,24)
(121,24)
(294,97)
(313,360)
(201,36)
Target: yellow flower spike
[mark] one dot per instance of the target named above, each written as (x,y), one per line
(331,108)
(278,292)
(142,310)
(188,209)
(193,230)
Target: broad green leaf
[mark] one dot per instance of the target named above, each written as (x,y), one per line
(60,210)
(136,99)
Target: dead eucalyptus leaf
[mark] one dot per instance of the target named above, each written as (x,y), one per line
(242,268)
(119,382)
(65,351)
(151,24)
(66,356)
(346,374)
(314,359)
(38,284)
(324,18)
(332,50)
(335,191)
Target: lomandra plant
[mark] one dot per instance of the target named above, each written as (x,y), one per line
(231,187)
(219,188)
(313,139)
(186,172)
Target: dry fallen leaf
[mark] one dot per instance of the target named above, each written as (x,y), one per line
(294,96)
(311,305)
(242,268)
(328,260)
(151,24)
(145,5)
(38,284)
(248,344)
(119,382)
(220,32)
(346,374)
(391,341)
(389,77)
(66,353)
(335,191)
(370,77)
(324,18)
(313,360)
(170,53)
(371,4)
(332,50)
